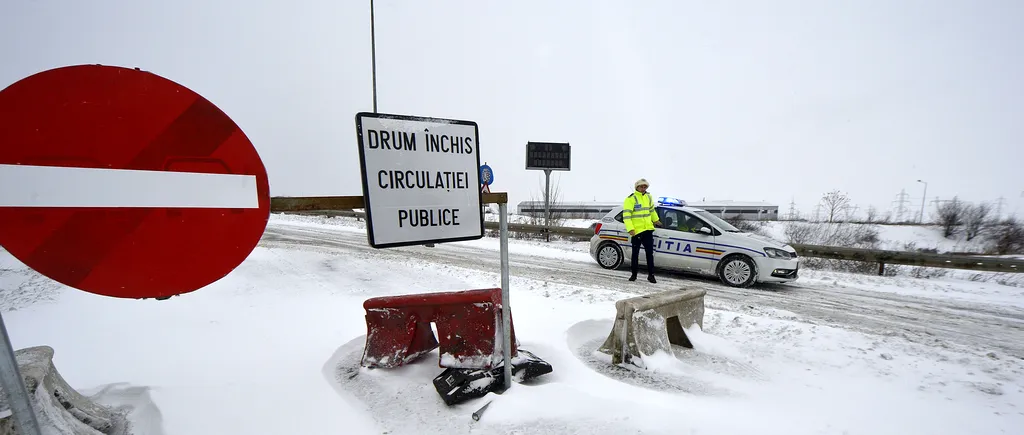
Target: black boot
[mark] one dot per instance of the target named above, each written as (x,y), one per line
(651,278)
(632,277)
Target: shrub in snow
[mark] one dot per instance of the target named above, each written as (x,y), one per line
(832,234)
(835,234)
(927,272)
(976,219)
(950,215)
(1007,238)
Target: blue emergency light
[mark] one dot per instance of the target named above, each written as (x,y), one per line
(664,200)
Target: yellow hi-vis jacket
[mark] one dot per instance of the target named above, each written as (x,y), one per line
(638,212)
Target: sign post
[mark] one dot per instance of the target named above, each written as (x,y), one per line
(121,183)
(548,156)
(421,183)
(506,328)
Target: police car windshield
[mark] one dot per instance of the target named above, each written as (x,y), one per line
(717,221)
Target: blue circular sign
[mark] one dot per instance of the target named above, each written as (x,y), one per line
(486,175)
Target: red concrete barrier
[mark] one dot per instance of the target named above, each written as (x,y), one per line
(468,324)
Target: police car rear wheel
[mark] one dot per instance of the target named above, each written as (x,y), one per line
(737,271)
(609,256)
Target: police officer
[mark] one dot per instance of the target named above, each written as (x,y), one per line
(640,217)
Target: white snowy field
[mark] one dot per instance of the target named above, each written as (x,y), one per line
(900,237)
(892,237)
(273,348)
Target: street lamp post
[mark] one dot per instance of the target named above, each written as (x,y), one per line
(373,57)
(924,195)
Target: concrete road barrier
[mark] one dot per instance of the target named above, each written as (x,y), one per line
(646,324)
(59,408)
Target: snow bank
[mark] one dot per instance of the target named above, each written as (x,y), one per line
(60,409)
(273,349)
(894,237)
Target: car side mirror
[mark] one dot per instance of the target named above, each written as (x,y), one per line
(705,230)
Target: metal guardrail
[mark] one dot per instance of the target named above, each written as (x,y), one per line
(323,204)
(880,257)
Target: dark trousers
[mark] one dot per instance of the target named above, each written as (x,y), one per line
(646,239)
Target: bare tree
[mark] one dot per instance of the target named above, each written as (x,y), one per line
(1008,237)
(556,217)
(976,218)
(950,215)
(872,214)
(833,203)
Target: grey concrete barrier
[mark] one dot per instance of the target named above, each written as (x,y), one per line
(59,408)
(646,324)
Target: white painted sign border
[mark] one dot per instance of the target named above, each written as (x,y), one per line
(473,181)
(59,186)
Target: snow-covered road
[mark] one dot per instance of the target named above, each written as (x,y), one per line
(273,348)
(975,326)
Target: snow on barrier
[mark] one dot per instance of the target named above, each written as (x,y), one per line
(468,326)
(646,324)
(59,408)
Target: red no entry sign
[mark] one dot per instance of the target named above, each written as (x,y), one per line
(122,183)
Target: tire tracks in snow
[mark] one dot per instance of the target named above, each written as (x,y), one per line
(976,327)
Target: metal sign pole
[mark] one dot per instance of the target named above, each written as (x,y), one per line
(14,387)
(547,205)
(506,327)
(373,56)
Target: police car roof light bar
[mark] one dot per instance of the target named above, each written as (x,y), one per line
(664,200)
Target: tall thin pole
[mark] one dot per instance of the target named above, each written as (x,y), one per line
(924,195)
(506,323)
(373,56)
(547,205)
(14,388)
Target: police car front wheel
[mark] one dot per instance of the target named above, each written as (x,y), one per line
(737,271)
(609,256)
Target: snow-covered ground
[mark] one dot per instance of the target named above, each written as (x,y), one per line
(899,237)
(273,348)
(891,237)
(894,237)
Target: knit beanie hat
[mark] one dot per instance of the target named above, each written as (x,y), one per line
(641,182)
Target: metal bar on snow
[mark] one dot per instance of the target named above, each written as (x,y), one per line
(14,387)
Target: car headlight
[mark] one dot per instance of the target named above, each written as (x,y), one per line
(777,253)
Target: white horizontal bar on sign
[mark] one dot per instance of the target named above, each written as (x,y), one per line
(54,186)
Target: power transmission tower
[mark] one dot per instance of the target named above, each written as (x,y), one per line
(999,208)
(792,209)
(850,214)
(938,202)
(901,204)
(817,212)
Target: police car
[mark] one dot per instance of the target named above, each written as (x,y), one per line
(694,240)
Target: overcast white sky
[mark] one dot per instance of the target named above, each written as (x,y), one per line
(774,101)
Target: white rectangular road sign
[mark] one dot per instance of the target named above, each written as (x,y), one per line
(421,179)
